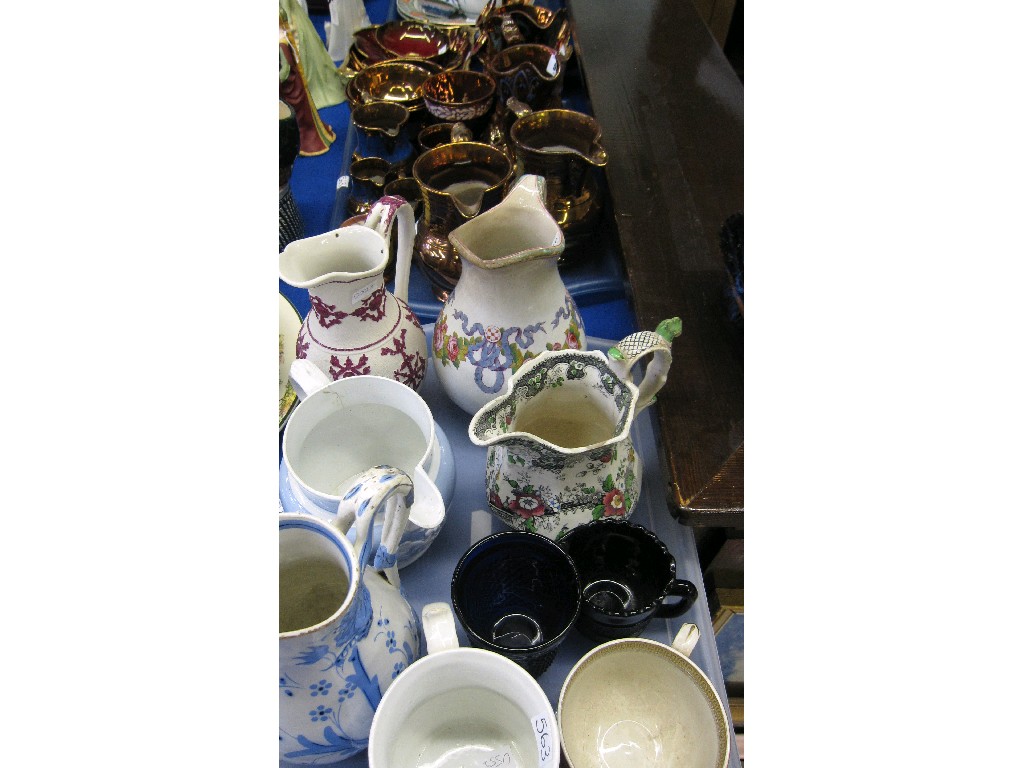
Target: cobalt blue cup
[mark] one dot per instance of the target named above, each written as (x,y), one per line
(517,593)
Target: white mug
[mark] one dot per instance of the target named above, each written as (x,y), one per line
(637,703)
(462,706)
(343,427)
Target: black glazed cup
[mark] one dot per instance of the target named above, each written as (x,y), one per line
(627,573)
(517,593)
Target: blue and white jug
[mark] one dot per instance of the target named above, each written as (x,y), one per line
(346,631)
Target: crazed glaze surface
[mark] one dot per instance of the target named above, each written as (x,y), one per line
(663,713)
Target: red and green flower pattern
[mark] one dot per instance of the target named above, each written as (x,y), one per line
(614,503)
(536,487)
(450,347)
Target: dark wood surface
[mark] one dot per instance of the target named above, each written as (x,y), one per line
(671,108)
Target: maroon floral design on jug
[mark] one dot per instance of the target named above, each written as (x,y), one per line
(373,307)
(341,370)
(414,365)
(328,315)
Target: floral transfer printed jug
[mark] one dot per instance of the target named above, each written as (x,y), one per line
(356,327)
(558,448)
(510,303)
(346,631)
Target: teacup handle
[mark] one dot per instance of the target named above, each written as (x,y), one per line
(439,627)
(686,638)
(680,588)
(380,219)
(624,355)
(375,489)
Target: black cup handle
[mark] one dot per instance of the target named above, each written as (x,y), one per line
(688,596)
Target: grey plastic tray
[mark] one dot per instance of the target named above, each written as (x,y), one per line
(429,578)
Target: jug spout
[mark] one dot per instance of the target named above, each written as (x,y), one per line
(468,200)
(518,228)
(598,157)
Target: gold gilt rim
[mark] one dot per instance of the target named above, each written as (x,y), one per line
(681,662)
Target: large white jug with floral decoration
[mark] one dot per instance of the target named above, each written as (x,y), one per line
(510,303)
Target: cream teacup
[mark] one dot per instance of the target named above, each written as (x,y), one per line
(462,706)
(636,703)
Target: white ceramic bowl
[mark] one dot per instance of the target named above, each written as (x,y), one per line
(636,703)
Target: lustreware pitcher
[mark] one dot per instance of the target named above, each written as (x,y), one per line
(530,73)
(382,131)
(565,148)
(559,452)
(510,303)
(345,629)
(355,326)
(458,181)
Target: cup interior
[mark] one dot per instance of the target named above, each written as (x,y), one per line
(314,574)
(458,87)
(462,707)
(638,704)
(354,424)
(516,591)
(625,569)
(391,81)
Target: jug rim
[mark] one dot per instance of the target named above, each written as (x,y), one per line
(435,150)
(526,193)
(493,65)
(419,468)
(527,367)
(525,122)
(325,240)
(299,520)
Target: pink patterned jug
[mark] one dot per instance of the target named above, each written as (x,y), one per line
(356,327)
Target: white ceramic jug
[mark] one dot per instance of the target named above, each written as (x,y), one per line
(345,631)
(510,303)
(356,327)
(559,452)
(342,427)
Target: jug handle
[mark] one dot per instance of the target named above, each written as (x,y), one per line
(374,489)
(461,132)
(380,219)
(510,31)
(624,355)
(306,378)
(517,107)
